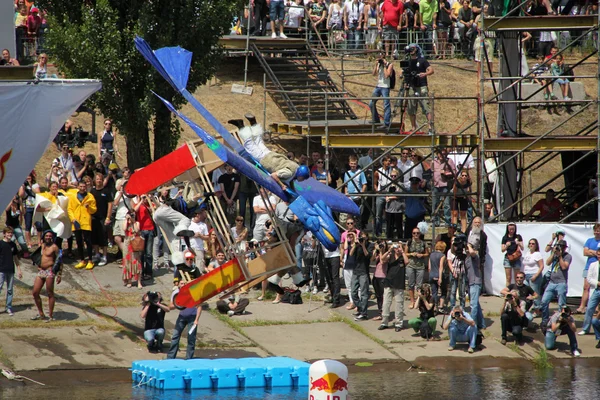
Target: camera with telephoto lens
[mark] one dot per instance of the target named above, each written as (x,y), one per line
(361,239)
(558,247)
(381,246)
(459,246)
(456,314)
(392,189)
(564,316)
(509,297)
(153,297)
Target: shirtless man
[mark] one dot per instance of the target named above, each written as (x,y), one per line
(49,268)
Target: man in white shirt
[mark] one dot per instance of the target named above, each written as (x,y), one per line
(353,22)
(200,229)
(261,213)
(404,165)
(65,164)
(381,180)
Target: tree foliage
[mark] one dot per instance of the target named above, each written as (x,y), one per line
(94,39)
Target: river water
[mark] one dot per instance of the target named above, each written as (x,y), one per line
(579,381)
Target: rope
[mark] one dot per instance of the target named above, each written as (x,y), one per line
(11,376)
(105,293)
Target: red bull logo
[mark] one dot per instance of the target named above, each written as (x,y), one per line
(329,383)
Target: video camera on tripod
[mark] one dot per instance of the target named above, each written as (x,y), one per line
(77,138)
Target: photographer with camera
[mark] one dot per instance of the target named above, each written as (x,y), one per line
(360,277)
(416,77)
(562,323)
(153,312)
(559,262)
(384,71)
(394,284)
(379,275)
(426,323)
(512,316)
(394,208)
(474,279)
(461,328)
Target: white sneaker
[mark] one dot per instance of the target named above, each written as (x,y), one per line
(282,36)
(315,290)
(581,333)
(567,98)
(103,261)
(273,35)
(230,313)
(576,353)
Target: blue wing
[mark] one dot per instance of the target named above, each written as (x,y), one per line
(313,191)
(227,156)
(317,219)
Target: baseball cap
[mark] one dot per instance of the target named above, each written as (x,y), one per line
(34,9)
(188,254)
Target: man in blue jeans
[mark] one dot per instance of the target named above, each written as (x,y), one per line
(592,279)
(475,281)
(461,328)
(276,14)
(188,317)
(383,70)
(8,260)
(559,262)
(562,323)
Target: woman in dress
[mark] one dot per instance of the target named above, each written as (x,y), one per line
(512,243)
(240,234)
(334,23)
(132,265)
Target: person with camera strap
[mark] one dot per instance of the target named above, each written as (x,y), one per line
(562,323)
(461,328)
(418,70)
(559,262)
(153,313)
(514,315)
(383,70)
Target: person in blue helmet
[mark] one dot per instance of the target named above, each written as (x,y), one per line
(281,168)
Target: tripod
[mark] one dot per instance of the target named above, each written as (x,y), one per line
(401,103)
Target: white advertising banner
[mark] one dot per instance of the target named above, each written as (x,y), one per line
(31,114)
(576,236)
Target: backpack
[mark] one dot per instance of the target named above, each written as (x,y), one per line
(292,296)
(392,77)
(425,330)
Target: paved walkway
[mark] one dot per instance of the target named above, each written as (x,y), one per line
(98,326)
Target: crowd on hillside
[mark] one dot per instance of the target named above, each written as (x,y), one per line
(30,27)
(443,28)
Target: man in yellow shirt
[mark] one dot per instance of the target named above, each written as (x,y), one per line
(81,207)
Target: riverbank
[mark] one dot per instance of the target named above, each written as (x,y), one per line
(97,326)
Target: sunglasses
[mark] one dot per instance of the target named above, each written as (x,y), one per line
(188,259)
(349,223)
(416,233)
(239,220)
(319,162)
(532,244)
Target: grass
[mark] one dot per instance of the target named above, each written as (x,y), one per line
(103,326)
(5,361)
(541,361)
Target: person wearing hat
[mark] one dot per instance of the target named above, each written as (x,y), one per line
(419,69)
(589,251)
(415,209)
(559,262)
(34,22)
(592,281)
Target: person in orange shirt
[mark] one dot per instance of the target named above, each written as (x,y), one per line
(81,208)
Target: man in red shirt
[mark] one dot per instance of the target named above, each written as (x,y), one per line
(550,208)
(391,12)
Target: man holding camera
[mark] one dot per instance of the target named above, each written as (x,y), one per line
(559,262)
(383,70)
(562,323)
(474,279)
(419,69)
(512,316)
(525,293)
(461,328)
(153,312)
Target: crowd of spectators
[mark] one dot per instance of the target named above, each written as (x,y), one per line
(443,28)
(435,274)
(30,27)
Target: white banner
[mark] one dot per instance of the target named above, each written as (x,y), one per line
(31,115)
(576,236)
